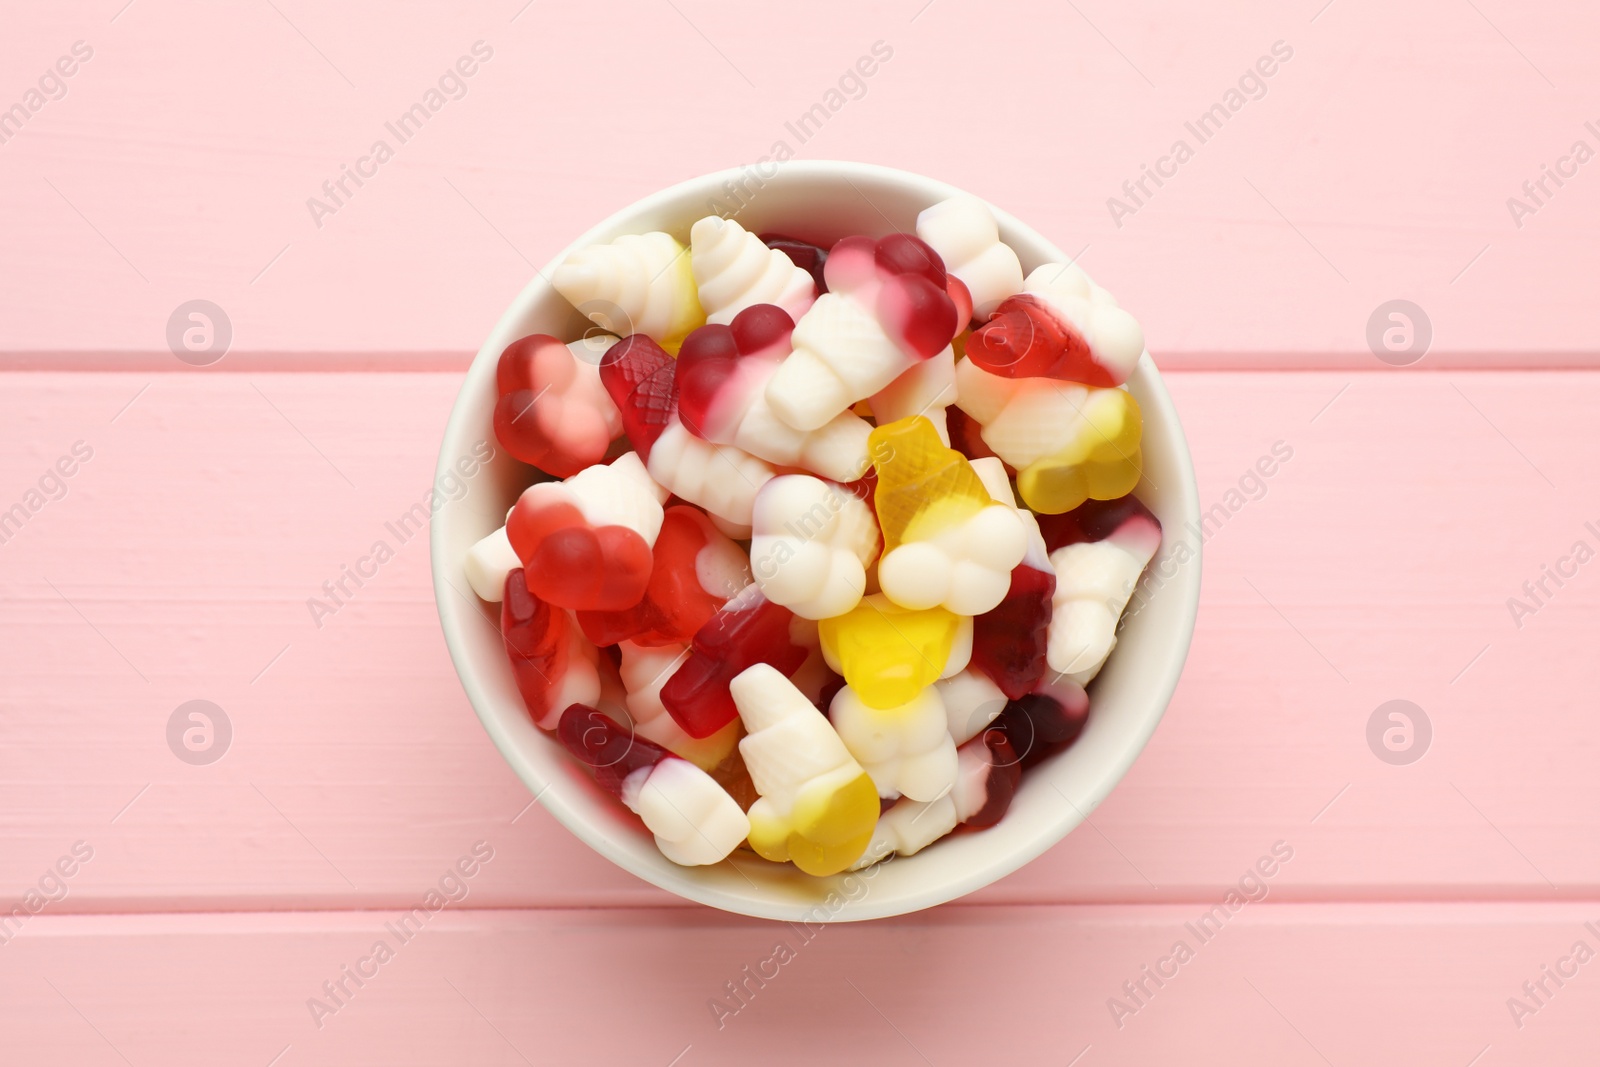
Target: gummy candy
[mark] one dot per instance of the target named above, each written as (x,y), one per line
(1045,721)
(1095,579)
(888,654)
(1111,336)
(971,702)
(746,630)
(817,807)
(735,270)
(488,562)
(638,283)
(553,412)
(694,820)
(1009,643)
(927,388)
(906,750)
(552,664)
(722,377)
(694,570)
(811,543)
(585,542)
(644,671)
(987,777)
(1068,442)
(803,254)
(966,435)
(720,478)
(946,540)
(964,232)
(887,306)
(641,379)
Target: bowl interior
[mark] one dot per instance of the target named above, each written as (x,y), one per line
(819,201)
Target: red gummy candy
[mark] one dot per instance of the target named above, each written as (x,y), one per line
(1009,643)
(749,629)
(675,605)
(533,432)
(1026,339)
(610,750)
(966,435)
(710,359)
(575,565)
(1093,520)
(537,638)
(642,380)
(1044,721)
(913,301)
(1005,774)
(808,257)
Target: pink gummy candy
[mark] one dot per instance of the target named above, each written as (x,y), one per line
(575,565)
(1027,339)
(749,629)
(675,604)
(607,748)
(538,639)
(716,376)
(544,415)
(1010,642)
(642,381)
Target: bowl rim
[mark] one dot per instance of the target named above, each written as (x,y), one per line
(680,880)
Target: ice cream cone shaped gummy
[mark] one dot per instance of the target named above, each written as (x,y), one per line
(817,807)
(1101,462)
(924,485)
(947,542)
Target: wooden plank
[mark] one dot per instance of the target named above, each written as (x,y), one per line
(1274,983)
(1376,567)
(1359,175)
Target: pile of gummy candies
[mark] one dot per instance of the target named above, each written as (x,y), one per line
(780,592)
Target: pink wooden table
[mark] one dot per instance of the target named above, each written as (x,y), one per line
(1429,540)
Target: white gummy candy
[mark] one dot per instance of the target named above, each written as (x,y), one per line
(1094,581)
(811,543)
(909,826)
(841,354)
(907,751)
(694,819)
(734,270)
(1025,419)
(742,416)
(638,283)
(965,568)
(789,745)
(963,231)
(971,702)
(721,479)
(925,388)
(488,563)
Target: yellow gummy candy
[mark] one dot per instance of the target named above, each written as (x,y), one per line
(829,828)
(924,486)
(1102,462)
(889,654)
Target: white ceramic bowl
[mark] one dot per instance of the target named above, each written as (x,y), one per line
(820,201)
